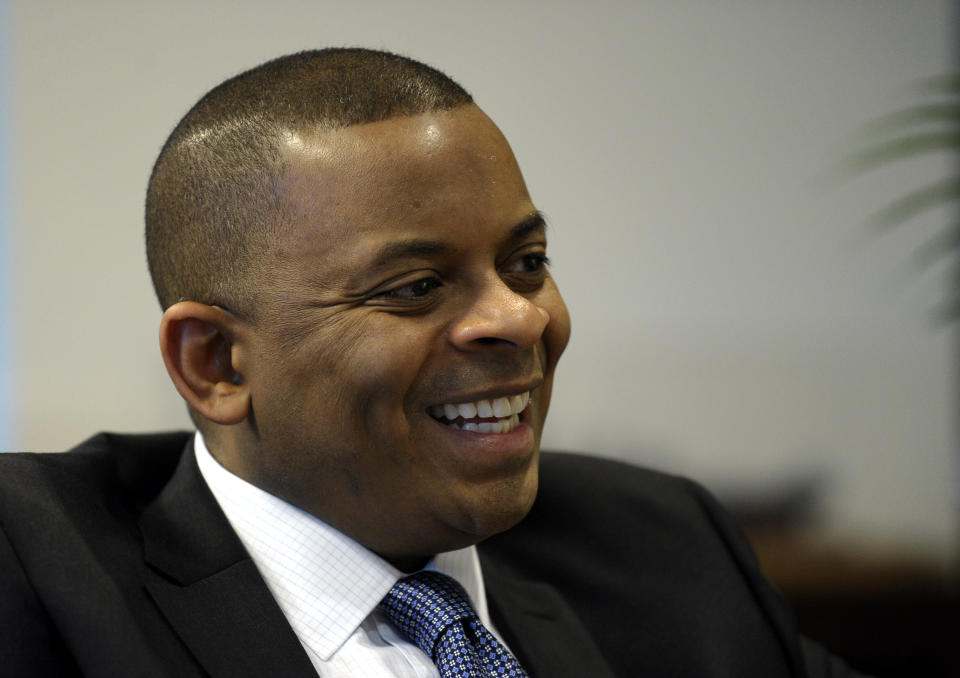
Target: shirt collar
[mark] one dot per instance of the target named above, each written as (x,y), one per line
(325,583)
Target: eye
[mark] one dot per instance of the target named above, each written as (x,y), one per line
(414,291)
(535,262)
(526,271)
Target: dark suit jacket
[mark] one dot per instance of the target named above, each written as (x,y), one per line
(115,560)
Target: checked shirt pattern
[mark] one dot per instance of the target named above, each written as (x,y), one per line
(432,610)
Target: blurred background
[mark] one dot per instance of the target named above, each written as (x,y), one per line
(737,316)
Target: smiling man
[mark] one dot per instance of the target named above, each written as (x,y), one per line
(359,315)
(392,371)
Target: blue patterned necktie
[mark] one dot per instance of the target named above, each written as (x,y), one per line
(432,610)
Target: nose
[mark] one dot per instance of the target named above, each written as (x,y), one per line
(499,317)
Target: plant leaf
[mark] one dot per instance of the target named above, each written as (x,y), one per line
(948,112)
(948,311)
(941,84)
(916,202)
(904,147)
(944,243)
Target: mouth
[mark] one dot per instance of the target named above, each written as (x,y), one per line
(491,415)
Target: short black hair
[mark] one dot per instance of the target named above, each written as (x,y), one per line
(212,204)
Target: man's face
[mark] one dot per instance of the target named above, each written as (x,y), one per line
(401,364)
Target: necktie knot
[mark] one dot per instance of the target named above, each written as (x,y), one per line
(433,611)
(424,605)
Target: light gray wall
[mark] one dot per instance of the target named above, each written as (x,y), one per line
(734,318)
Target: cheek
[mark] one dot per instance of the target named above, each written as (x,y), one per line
(385,361)
(557,332)
(360,378)
(328,378)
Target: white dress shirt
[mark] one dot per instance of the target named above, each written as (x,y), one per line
(328,586)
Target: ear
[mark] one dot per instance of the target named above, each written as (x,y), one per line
(196,342)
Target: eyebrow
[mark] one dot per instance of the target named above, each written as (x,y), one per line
(421,247)
(533,222)
(414,247)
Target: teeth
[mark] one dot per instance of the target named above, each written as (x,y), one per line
(506,409)
(501,407)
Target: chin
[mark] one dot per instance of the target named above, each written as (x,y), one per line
(504,508)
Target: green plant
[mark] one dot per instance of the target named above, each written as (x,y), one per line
(929,127)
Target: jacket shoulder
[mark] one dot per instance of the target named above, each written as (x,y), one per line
(607,497)
(621,542)
(130,466)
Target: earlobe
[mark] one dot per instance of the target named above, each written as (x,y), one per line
(196,342)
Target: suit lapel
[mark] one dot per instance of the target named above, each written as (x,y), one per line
(540,627)
(210,592)
(207,587)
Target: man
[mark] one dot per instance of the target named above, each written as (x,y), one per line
(358,313)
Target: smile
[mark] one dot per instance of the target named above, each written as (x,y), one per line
(496,415)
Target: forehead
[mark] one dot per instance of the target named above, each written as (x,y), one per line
(444,174)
